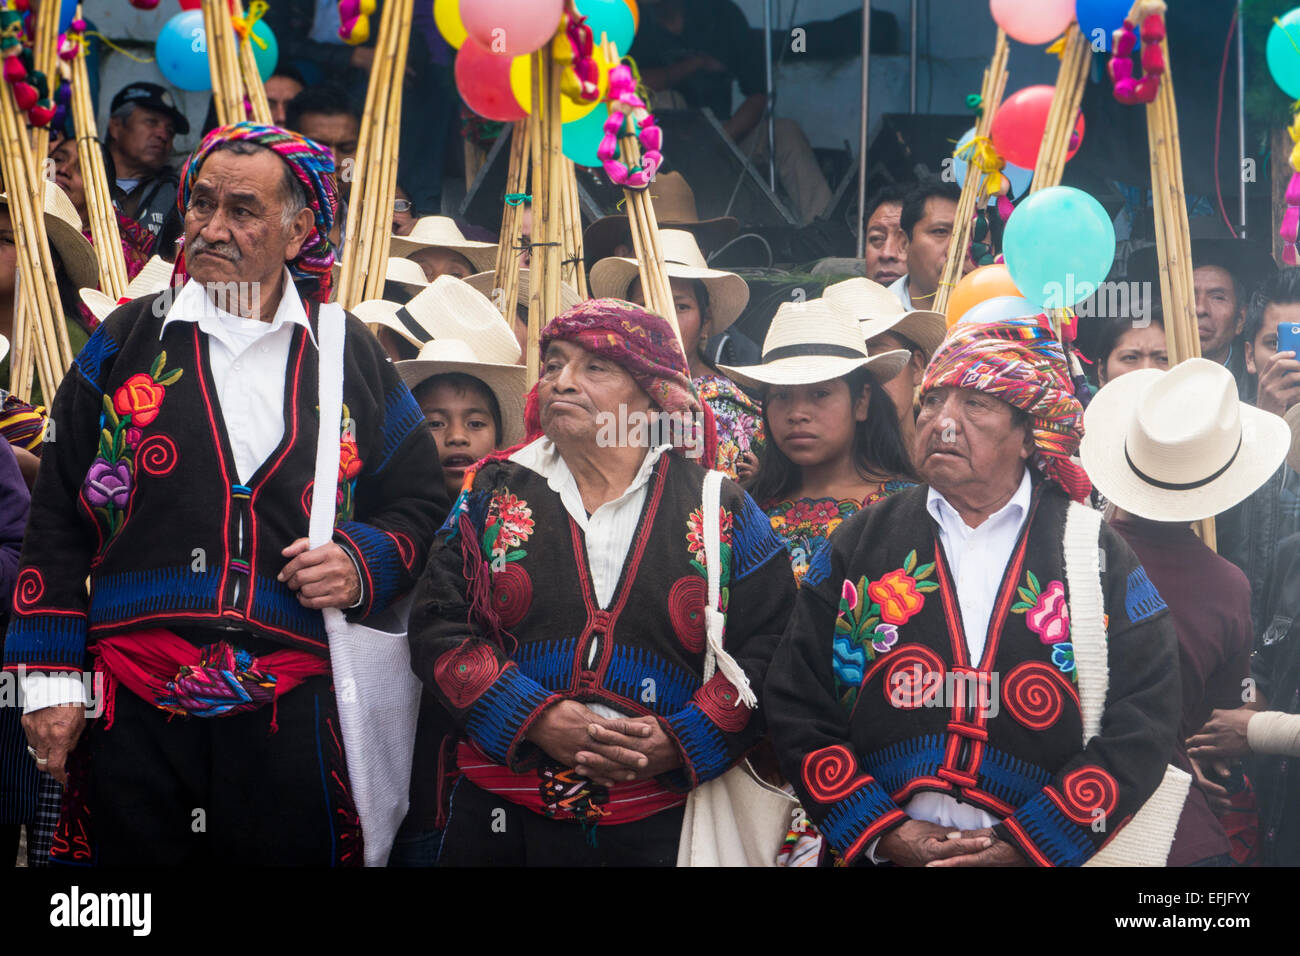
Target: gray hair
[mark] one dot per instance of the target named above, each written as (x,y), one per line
(292,194)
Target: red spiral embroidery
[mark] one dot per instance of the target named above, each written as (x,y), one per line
(405,548)
(686,600)
(28,589)
(1087,791)
(465,673)
(1032,694)
(306,498)
(156,455)
(830,774)
(720,702)
(512,594)
(914,676)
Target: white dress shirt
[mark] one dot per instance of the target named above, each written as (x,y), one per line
(608,531)
(899,288)
(977,558)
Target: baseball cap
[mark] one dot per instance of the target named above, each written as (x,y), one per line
(154,97)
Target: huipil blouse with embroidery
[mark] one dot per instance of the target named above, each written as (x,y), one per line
(139,491)
(866,710)
(505,623)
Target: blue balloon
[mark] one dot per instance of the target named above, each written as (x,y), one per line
(1059,246)
(612,17)
(582,137)
(182,51)
(67,13)
(1106,16)
(1020,178)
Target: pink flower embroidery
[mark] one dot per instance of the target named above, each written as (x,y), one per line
(1050,618)
(848,596)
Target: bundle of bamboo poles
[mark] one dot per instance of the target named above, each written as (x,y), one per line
(369,226)
(45,58)
(995,84)
(1064,112)
(507,266)
(254,89)
(99,201)
(223,62)
(547,186)
(574,273)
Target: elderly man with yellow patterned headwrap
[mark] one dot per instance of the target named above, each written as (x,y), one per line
(925,700)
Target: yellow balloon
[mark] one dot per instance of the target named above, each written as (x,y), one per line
(521,83)
(446,14)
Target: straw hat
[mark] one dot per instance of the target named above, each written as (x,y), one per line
(728,292)
(154,276)
(63,226)
(486,282)
(405,273)
(813,342)
(1179,445)
(507,381)
(879,311)
(441,232)
(447,308)
(673,201)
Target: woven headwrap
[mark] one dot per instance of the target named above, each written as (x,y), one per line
(1020,362)
(645,345)
(312,164)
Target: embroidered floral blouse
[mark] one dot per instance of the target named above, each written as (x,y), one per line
(739,420)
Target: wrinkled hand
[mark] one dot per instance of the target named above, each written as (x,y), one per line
(1204,772)
(1223,736)
(1279,383)
(918,843)
(52,732)
(628,749)
(746,466)
(323,577)
(997,853)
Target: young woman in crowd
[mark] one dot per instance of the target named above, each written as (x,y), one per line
(1127,344)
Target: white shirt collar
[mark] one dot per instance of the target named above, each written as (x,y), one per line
(193,305)
(543,457)
(900,289)
(943,512)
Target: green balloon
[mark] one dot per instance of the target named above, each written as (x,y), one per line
(265,59)
(1283,53)
(582,137)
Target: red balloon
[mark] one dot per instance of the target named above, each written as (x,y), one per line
(1020,122)
(191,4)
(484,83)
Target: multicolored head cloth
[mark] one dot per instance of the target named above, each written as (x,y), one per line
(646,345)
(312,164)
(1020,362)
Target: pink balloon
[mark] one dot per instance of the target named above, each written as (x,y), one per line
(511,27)
(1033,21)
(484,83)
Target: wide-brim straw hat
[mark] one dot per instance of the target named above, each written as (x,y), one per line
(728,292)
(154,276)
(405,273)
(63,227)
(879,311)
(812,342)
(1178,445)
(507,382)
(673,202)
(486,282)
(441,232)
(447,308)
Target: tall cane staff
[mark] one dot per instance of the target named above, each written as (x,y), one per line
(512,214)
(995,83)
(1076,57)
(45,58)
(548,234)
(254,90)
(575,272)
(223,62)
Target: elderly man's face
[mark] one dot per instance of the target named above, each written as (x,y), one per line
(886,251)
(234,227)
(1219,315)
(966,439)
(144,137)
(578,389)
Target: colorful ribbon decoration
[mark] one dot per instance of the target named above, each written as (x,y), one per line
(624,104)
(1129,89)
(244,24)
(574,47)
(1290,230)
(980,154)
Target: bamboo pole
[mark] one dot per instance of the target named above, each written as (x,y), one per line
(1071,80)
(223,64)
(383,187)
(259,106)
(20,373)
(506,278)
(544,287)
(995,83)
(575,272)
(45,58)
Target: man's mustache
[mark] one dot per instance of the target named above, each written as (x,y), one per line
(226,250)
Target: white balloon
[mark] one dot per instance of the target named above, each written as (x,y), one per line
(1000,309)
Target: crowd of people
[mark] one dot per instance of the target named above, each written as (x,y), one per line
(970,617)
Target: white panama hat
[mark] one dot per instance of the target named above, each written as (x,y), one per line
(1178,445)
(813,342)
(441,232)
(63,229)
(879,311)
(405,273)
(154,276)
(507,382)
(447,308)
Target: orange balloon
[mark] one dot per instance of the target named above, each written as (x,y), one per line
(636,14)
(980,285)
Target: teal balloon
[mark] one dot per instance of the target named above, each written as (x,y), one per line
(1282,54)
(612,17)
(581,138)
(265,59)
(182,52)
(1059,246)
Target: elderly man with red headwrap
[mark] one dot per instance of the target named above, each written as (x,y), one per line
(180,483)
(927,700)
(561,618)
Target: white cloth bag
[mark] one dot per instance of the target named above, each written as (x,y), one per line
(735,819)
(1147,838)
(378,696)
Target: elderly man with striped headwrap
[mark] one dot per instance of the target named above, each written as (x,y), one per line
(180,482)
(929,696)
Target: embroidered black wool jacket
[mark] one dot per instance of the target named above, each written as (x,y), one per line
(505,620)
(871,697)
(138,490)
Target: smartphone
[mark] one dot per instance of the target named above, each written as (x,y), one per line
(1288,338)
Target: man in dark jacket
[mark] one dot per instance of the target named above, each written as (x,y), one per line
(142,125)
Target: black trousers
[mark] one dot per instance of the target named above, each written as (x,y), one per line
(485,830)
(177,791)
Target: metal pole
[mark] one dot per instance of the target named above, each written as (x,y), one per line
(912,108)
(771,96)
(862,133)
(1241,116)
